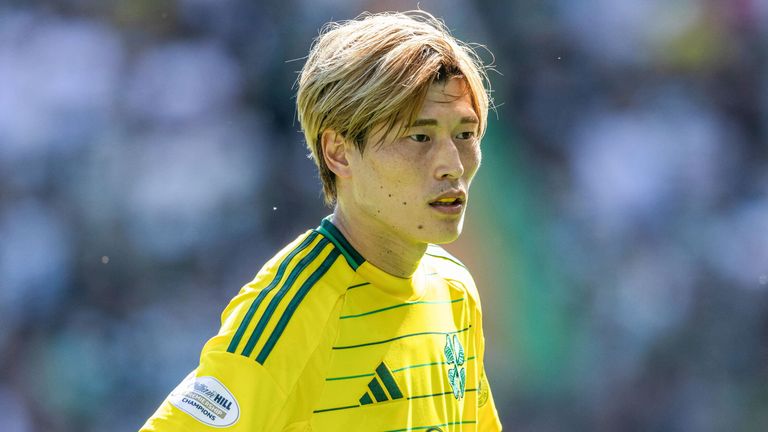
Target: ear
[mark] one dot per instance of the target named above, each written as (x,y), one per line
(335,149)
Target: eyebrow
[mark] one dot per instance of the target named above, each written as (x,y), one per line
(433,122)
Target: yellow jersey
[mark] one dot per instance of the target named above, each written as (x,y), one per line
(322,340)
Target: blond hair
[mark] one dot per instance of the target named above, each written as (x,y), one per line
(375,71)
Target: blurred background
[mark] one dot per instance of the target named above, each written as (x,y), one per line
(151,161)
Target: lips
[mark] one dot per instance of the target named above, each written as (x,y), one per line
(449,203)
(454,197)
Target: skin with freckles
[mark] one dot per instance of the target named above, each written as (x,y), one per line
(384,195)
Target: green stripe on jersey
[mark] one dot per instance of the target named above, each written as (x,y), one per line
(412,428)
(358,285)
(280,294)
(447,258)
(335,408)
(401,305)
(255,304)
(400,337)
(297,298)
(350,377)
(424,365)
(439,394)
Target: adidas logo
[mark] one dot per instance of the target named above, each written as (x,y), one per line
(376,388)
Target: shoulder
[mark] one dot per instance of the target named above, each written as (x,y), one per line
(300,283)
(273,329)
(272,273)
(438,252)
(281,318)
(453,270)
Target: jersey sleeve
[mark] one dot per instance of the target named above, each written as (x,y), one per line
(212,397)
(259,372)
(221,392)
(488,417)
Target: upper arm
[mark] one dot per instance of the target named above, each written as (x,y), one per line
(225,386)
(226,390)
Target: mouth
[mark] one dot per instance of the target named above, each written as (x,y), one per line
(449,204)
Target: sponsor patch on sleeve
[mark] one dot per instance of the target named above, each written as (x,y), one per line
(207,400)
(482,391)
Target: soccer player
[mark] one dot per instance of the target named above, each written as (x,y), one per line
(364,323)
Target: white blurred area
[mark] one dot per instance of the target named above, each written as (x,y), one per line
(150,161)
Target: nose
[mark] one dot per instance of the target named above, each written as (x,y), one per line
(447,159)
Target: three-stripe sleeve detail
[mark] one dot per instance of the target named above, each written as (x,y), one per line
(297,298)
(257,302)
(270,310)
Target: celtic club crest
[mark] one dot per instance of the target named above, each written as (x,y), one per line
(454,355)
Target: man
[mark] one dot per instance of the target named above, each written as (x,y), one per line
(364,323)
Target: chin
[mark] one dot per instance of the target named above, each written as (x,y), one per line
(443,236)
(444,240)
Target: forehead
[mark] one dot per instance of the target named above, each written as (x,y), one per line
(450,94)
(443,101)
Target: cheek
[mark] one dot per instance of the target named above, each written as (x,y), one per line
(384,183)
(395,186)
(471,158)
(397,169)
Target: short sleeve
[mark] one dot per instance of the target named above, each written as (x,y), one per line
(488,417)
(226,392)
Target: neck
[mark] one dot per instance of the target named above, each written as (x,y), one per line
(379,244)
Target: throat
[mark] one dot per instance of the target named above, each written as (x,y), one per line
(398,262)
(381,247)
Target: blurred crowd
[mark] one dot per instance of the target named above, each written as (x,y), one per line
(151,161)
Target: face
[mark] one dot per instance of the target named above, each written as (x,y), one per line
(415,184)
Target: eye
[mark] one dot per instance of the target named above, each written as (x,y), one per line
(419,137)
(465,135)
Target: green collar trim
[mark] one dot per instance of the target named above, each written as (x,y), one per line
(327,229)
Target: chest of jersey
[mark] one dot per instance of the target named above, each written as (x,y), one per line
(399,364)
